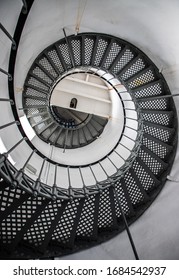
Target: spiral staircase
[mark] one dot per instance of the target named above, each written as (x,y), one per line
(107,157)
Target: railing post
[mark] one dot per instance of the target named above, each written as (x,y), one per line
(37,183)
(131,128)
(128,137)
(19,173)
(54,195)
(40,173)
(8,35)
(70,186)
(8,124)
(97,182)
(7,100)
(104,169)
(28,159)
(120,155)
(84,186)
(130,118)
(17,144)
(6,73)
(66,136)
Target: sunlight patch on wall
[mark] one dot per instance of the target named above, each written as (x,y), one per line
(27,128)
(4,150)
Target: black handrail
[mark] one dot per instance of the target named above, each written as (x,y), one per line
(126,225)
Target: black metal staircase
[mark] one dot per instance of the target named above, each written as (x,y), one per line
(40,220)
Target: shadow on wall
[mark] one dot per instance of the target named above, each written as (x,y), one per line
(171,75)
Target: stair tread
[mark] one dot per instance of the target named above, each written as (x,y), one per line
(37,88)
(156,146)
(123,58)
(106,216)
(150,137)
(155,157)
(65,54)
(64,228)
(100,47)
(144,175)
(171,129)
(132,68)
(26,219)
(76,47)
(82,138)
(163,118)
(9,195)
(75,140)
(134,193)
(87,227)
(53,56)
(53,67)
(148,171)
(155,104)
(43,64)
(144,77)
(152,161)
(38,78)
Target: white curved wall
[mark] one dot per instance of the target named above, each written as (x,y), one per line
(153,27)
